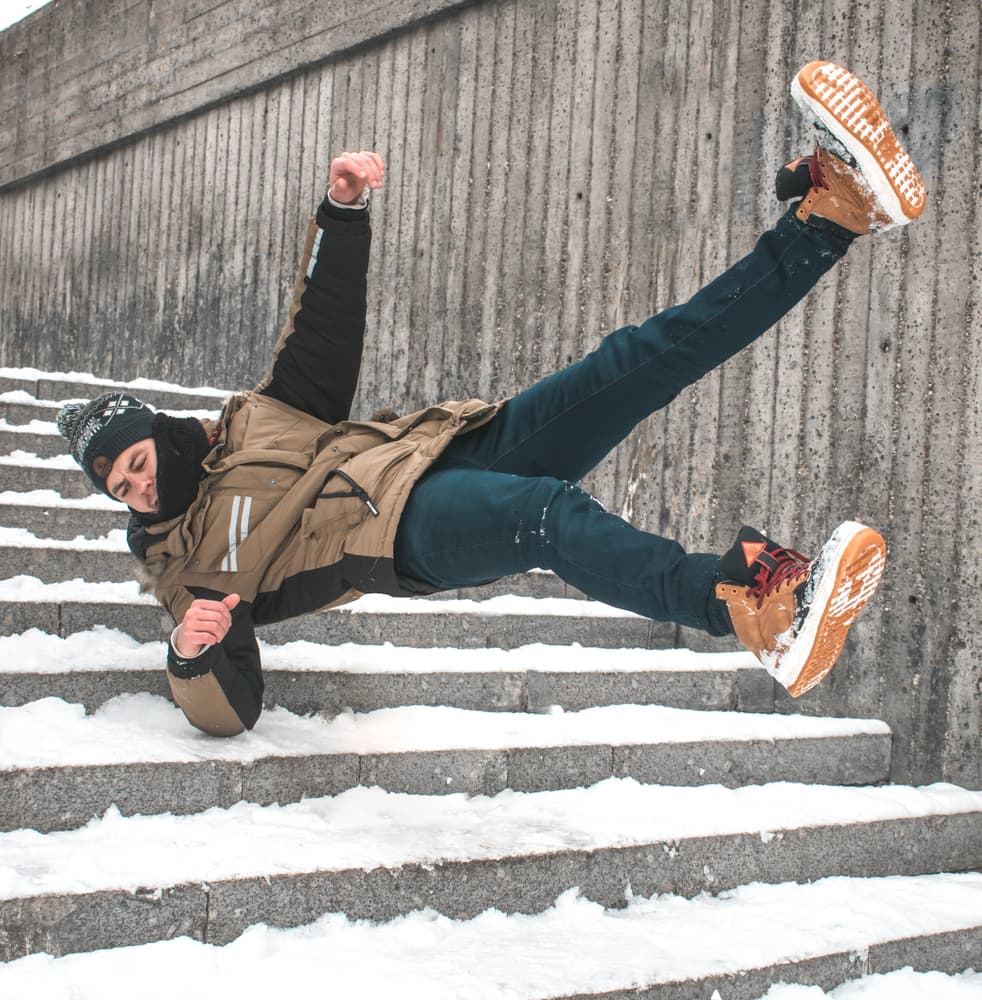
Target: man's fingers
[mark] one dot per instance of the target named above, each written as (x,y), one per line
(209,621)
(199,637)
(374,168)
(204,632)
(204,617)
(358,169)
(205,623)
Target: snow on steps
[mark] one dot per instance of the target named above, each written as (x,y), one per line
(38,437)
(90,666)
(59,767)
(54,388)
(23,471)
(663,948)
(33,453)
(505,621)
(47,514)
(376,854)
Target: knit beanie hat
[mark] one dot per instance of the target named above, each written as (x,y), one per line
(103,428)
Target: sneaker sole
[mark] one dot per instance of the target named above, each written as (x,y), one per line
(845,106)
(844,576)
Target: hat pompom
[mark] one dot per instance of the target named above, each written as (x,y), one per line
(68,417)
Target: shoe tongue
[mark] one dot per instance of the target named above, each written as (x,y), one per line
(751,550)
(739,564)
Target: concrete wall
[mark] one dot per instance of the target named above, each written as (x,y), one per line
(555,169)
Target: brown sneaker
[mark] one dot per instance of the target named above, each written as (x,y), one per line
(869,182)
(793,613)
(839,196)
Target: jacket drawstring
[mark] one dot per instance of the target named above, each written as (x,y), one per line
(356,491)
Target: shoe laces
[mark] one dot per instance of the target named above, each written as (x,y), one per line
(788,566)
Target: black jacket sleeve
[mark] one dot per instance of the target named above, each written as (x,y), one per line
(221,690)
(318,356)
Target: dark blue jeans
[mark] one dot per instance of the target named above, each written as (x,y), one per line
(503,498)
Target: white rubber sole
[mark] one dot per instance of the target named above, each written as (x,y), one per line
(844,578)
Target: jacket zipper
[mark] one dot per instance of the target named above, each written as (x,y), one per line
(356,491)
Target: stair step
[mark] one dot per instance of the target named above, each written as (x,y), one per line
(434,626)
(59,767)
(504,621)
(56,387)
(91,667)
(376,854)
(32,519)
(105,558)
(49,537)
(88,517)
(18,407)
(23,472)
(40,438)
(662,948)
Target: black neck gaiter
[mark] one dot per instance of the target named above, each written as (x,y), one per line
(181,445)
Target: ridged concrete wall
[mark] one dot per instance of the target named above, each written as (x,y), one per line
(554,170)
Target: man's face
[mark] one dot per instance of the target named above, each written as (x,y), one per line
(132,478)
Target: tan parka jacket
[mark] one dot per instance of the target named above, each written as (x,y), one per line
(299,505)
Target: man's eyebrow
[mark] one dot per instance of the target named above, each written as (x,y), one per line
(112,470)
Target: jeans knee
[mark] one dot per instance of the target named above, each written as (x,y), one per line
(564,505)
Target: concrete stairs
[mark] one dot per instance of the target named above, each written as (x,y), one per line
(495,749)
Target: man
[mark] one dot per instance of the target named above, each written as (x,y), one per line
(285,505)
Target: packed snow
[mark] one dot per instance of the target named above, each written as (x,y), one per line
(49,498)
(47,428)
(365,828)
(28,588)
(144,727)
(22,397)
(12,11)
(28,459)
(31,589)
(112,541)
(102,648)
(575,946)
(146,384)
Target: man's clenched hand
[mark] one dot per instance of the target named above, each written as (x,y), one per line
(205,623)
(351,173)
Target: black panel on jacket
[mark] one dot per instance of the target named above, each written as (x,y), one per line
(317,367)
